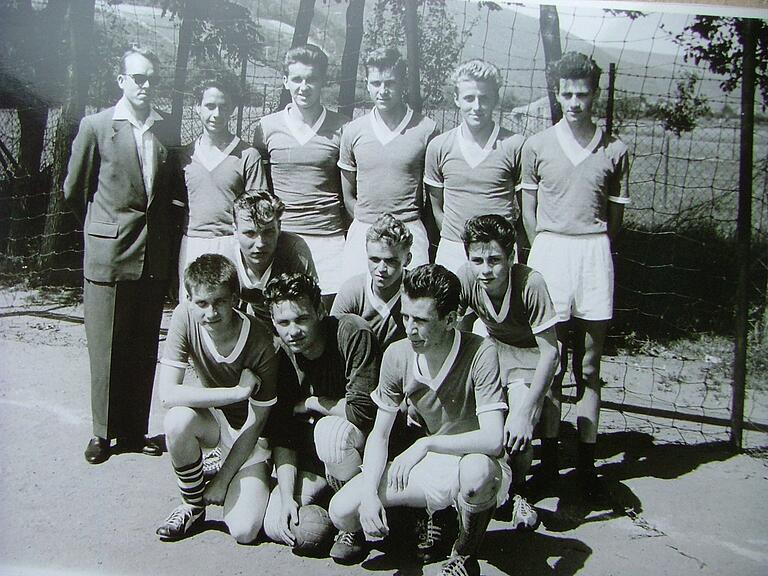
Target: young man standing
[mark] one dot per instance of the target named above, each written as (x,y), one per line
(573,207)
(234,358)
(300,148)
(452,379)
(264,251)
(474,168)
(375,295)
(120,186)
(328,367)
(514,305)
(382,161)
(218,167)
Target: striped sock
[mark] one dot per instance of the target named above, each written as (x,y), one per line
(191,482)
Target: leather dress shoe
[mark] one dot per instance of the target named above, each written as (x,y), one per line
(140,444)
(97,450)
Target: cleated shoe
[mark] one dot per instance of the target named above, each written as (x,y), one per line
(524,516)
(460,566)
(180,522)
(349,548)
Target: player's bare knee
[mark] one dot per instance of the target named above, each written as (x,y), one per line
(479,477)
(343,510)
(179,422)
(243,530)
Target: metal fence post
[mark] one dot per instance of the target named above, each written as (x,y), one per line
(744,229)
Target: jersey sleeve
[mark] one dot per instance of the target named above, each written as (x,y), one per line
(176,349)
(621,171)
(260,143)
(489,395)
(262,361)
(433,173)
(389,394)
(254,177)
(344,302)
(529,173)
(465,297)
(303,258)
(360,350)
(279,428)
(517,159)
(538,304)
(346,151)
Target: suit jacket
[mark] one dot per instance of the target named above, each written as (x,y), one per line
(128,231)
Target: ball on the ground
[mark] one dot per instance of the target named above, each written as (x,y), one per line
(314,532)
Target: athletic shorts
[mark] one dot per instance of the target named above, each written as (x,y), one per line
(356,257)
(451,254)
(326,253)
(193,247)
(578,271)
(437,476)
(517,366)
(228,435)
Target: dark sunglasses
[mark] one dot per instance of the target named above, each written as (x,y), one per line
(141,79)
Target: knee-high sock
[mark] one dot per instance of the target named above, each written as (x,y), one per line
(473,522)
(191,482)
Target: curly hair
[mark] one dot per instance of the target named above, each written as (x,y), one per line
(292,288)
(574,66)
(260,207)
(477,70)
(486,229)
(435,282)
(390,231)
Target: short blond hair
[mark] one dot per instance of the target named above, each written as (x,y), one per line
(478,70)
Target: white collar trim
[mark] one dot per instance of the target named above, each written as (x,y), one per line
(499,318)
(246,277)
(213,157)
(381,130)
(211,347)
(383,308)
(573,150)
(473,153)
(301,131)
(421,370)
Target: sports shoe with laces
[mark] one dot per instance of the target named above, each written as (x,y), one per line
(524,516)
(349,548)
(212,463)
(458,565)
(180,521)
(429,539)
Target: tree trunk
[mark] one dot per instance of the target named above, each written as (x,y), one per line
(61,248)
(300,37)
(188,14)
(351,56)
(412,44)
(549,26)
(27,194)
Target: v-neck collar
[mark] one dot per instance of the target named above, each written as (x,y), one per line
(573,150)
(383,308)
(245,276)
(381,130)
(505,303)
(473,153)
(301,131)
(211,162)
(245,328)
(421,370)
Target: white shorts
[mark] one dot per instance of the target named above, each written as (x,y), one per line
(326,253)
(228,435)
(578,271)
(437,476)
(451,254)
(356,257)
(192,247)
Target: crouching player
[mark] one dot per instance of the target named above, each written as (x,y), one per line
(328,367)
(513,302)
(452,379)
(235,361)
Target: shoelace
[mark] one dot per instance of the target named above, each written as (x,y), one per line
(430,534)
(346,538)
(179,517)
(212,462)
(455,567)
(522,508)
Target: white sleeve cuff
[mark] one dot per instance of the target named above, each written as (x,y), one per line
(347,167)
(173,363)
(178,203)
(545,326)
(263,403)
(529,187)
(379,403)
(491,407)
(434,183)
(619,199)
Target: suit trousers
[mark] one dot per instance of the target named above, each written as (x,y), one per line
(122,326)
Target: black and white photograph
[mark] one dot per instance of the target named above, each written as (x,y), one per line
(397,287)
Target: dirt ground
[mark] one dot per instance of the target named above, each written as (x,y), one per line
(674,508)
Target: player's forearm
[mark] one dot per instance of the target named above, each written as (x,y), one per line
(529,215)
(286,471)
(615,219)
(481,441)
(436,197)
(244,444)
(374,462)
(326,406)
(549,359)
(349,191)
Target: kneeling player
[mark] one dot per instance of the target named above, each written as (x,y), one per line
(235,361)
(452,380)
(328,368)
(513,302)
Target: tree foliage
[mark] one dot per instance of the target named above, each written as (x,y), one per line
(439,39)
(719,42)
(680,114)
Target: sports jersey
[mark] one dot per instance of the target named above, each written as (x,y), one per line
(526,309)
(187,339)
(468,384)
(213,183)
(347,368)
(475,180)
(301,161)
(291,255)
(389,164)
(384,318)
(573,184)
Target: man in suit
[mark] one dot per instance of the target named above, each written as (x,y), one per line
(119,186)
